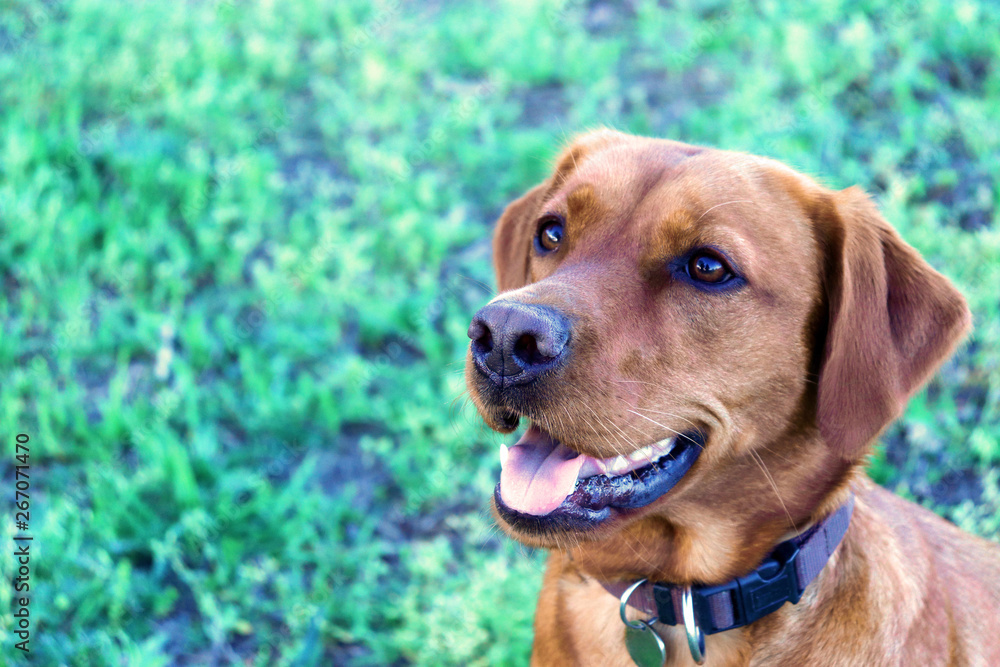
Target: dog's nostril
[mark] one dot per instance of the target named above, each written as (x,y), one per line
(526,349)
(485,341)
(482,337)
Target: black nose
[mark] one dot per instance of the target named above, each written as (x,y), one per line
(513,343)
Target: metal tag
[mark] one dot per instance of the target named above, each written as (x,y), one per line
(645,645)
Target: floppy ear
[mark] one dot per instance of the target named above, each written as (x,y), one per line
(513,238)
(892,320)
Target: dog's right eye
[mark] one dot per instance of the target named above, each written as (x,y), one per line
(708,267)
(550,234)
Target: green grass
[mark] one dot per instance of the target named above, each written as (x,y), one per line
(240,243)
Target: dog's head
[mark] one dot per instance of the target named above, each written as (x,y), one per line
(704,344)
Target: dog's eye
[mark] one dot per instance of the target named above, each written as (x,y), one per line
(707,267)
(550,233)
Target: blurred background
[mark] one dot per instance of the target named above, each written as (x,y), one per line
(241,241)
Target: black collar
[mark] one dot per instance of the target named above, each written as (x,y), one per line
(781,578)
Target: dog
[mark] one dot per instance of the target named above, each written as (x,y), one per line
(704,345)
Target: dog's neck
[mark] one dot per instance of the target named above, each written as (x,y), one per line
(782,577)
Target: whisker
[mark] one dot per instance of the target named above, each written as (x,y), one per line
(639,555)
(629,444)
(632,444)
(725,203)
(682,435)
(489,290)
(658,386)
(669,414)
(773,453)
(770,479)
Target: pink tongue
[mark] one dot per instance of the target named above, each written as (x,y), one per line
(539,473)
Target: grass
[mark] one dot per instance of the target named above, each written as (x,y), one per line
(240,243)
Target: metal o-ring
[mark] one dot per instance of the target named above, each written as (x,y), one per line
(695,637)
(635,625)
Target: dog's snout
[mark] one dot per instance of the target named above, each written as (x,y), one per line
(515,342)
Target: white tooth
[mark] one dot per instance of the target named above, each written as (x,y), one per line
(644,454)
(664,446)
(619,464)
(504,453)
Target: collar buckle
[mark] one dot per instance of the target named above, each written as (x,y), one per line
(767,588)
(782,577)
(749,597)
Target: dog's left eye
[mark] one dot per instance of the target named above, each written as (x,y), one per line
(550,233)
(708,267)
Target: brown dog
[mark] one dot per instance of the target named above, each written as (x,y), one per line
(706,344)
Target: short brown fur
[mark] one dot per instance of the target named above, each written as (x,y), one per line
(792,378)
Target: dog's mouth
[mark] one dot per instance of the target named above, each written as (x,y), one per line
(544,484)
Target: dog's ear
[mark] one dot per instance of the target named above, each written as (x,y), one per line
(512,240)
(892,320)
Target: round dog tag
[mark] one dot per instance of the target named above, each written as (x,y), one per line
(645,646)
